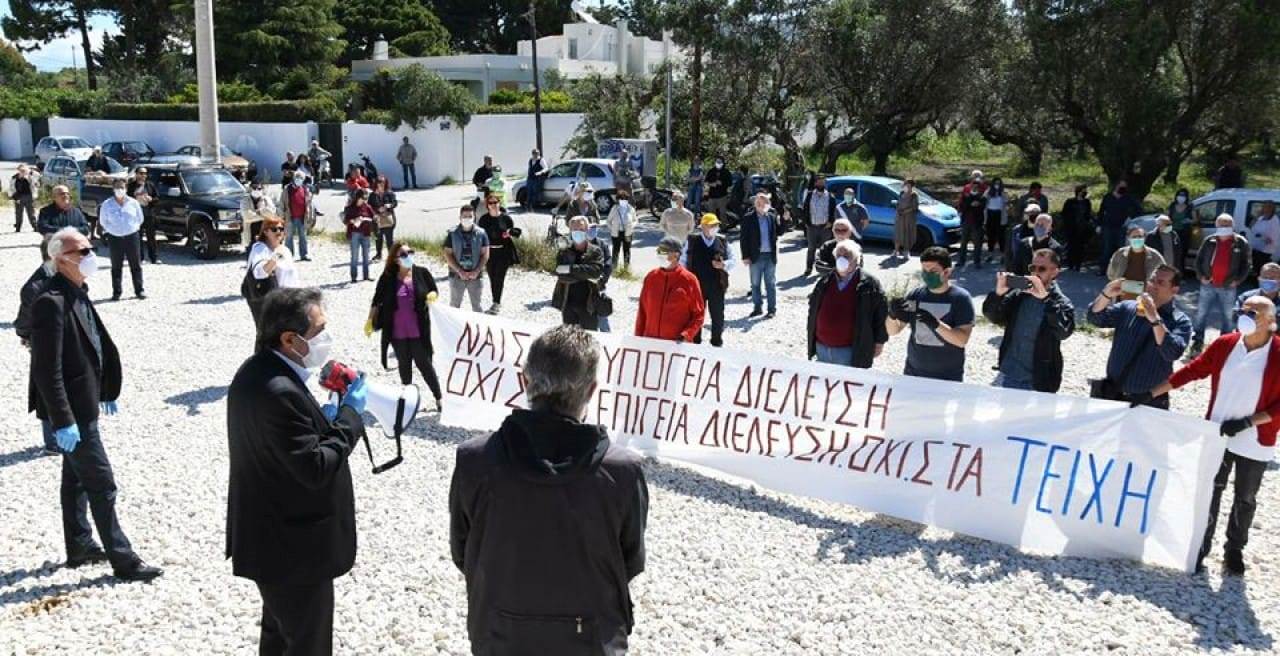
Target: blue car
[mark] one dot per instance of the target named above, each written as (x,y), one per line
(937,223)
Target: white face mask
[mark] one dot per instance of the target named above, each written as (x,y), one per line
(318,348)
(88,264)
(298,179)
(843,265)
(467,223)
(588,196)
(624,204)
(255,194)
(1246,324)
(712,233)
(119,194)
(663,260)
(1224,231)
(848,199)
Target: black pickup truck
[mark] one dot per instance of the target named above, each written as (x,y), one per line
(200,204)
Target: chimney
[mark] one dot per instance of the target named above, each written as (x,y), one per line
(381,51)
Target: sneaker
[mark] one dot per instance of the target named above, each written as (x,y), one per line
(376,258)
(139,572)
(141,296)
(115,297)
(755,313)
(1233,562)
(770,315)
(494,309)
(304,258)
(50,452)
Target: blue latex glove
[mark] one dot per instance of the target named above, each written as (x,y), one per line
(67,437)
(356,396)
(110,408)
(330,411)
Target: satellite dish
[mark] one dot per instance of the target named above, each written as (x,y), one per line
(581,12)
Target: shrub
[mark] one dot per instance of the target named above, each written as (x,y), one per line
(374,116)
(42,103)
(272,111)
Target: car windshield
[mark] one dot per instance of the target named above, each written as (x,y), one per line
(112,166)
(135,147)
(200,183)
(925,199)
(73,142)
(226,152)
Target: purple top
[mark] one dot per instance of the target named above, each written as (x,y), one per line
(404,325)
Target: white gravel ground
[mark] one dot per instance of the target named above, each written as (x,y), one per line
(731,569)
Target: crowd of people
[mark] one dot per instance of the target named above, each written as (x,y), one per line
(288,453)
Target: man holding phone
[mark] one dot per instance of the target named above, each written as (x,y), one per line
(1036,316)
(941,317)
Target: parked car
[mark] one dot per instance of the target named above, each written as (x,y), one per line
(937,223)
(245,170)
(64,170)
(128,152)
(199,203)
(73,147)
(1244,205)
(597,172)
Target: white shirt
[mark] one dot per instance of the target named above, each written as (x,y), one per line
(286,273)
(1239,387)
(1265,228)
(120,220)
(303,372)
(995,203)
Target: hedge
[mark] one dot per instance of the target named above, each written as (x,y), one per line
(272,111)
(32,103)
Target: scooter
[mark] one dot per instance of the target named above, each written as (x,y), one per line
(370,171)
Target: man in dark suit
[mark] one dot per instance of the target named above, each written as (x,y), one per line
(74,368)
(759,240)
(291,525)
(22,326)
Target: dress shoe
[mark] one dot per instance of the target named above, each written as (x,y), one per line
(771,314)
(94,555)
(50,452)
(140,572)
(141,296)
(1233,562)
(756,312)
(115,297)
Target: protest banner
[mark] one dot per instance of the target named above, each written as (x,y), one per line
(1047,473)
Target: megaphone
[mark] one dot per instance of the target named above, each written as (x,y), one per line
(393,406)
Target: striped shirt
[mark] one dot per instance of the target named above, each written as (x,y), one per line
(1134,345)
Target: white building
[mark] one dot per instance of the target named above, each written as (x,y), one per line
(584,48)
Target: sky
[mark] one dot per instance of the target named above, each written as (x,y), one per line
(56,55)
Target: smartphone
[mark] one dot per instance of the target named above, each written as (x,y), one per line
(1133,287)
(1017,283)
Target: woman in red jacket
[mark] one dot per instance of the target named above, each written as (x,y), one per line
(671,305)
(1244,372)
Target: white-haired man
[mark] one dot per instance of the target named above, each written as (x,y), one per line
(847,312)
(1222,265)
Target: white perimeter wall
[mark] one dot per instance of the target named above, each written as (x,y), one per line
(264,143)
(15,138)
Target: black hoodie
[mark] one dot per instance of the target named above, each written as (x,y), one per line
(547,526)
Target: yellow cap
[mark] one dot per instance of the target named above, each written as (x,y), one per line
(709,219)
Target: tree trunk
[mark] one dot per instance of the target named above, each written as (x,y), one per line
(833,151)
(90,70)
(1032,160)
(1172,171)
(695,113)
(882,163)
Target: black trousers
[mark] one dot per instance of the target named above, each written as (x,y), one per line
(1248,480)
(416,351)
(20,205)
(122,248)
(971,231)
(994,231)
(715,310)
(497,269)
(1077,243)
(622,250)
(387,235)
(149,230)
(88,484)
(297,620)
(578,316)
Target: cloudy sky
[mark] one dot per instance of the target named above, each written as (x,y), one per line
(56,55)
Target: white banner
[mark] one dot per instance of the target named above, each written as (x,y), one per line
(1051,474)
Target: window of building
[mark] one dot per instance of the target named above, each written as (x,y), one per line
(573,48)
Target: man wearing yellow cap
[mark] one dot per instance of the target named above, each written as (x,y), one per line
(710,257)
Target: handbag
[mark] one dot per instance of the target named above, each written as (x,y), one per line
(1109,390)
(253,289)
(604,305)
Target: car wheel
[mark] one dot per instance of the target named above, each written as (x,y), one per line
(659,204)
(924,239)
(604,203)
(729,221)
(203,241)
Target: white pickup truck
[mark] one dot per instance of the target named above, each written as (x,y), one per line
(1244,205)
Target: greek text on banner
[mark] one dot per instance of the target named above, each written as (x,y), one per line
(1050,474)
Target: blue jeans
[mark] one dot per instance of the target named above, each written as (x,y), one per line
(603,326)
(764,267)
(1009,383)
(835,354)
(409,172)
(1218,300)
(694,201)
(359,247)
(298,226)
(50,442)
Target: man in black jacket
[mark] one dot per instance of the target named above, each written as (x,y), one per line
(59,214)
(32,288)
(547,518)
(75,368)
(1041,237)
(847,309)
(580,267)
(710,257)
(1036,320)
(291,525)
(22,193)
(144,191)
(758,236)
(718,181)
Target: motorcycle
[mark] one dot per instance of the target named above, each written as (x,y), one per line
(651,196)
(370,171)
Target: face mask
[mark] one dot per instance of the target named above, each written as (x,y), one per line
(719,165)
(255,194)
(578,236)
(848,199)
(1137,243)
(298,180)
(663,260)
(762,210)
(624,204)
(1182,200)
(588,196)
(1041,231)
(88,264)
(712,233)
(1223,231)
(843,264)
(932,279)
(591,232)
(467,223)
(318,348)
(1246,325)
(119,194)
(1166,229)
(406,261)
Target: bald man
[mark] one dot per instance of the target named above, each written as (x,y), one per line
(1244,370)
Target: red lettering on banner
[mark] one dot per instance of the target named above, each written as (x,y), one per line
(832,450)
(848,404)
(713,429)
(768,391)
(744,384)
(770,437)
(645,377)
(466,372)
(817,444)
(481,378)
(671,368)
(520,384)
(791,396)
(925,465)
(826,407)
(903,460)
(791,438)
(808,396)
(974,470)
(955,463)
(890,447)
(865,463)
(495,353)
(519,337)
(884,407)
(713,381)
(471,335)
(732,434)
(681,427)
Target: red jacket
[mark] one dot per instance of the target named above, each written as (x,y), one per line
(1210,363)
(671,305)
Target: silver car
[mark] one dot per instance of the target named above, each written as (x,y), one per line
(73,147)
(597,172)
(63,170)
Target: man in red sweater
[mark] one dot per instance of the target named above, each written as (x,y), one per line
(1244,371)
(671,304)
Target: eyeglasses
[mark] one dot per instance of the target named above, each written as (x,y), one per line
(1252,314)
(406,253)
(1039,269)
(491,203)
(84,252)
(276,229)
(840,231)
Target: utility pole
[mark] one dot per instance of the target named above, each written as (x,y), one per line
(537,82)
(207,78)
(666,58)
(75,67)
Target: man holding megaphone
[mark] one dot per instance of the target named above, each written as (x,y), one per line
(290,508)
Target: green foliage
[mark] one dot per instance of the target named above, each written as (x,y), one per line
(230,92)
(374,116)
(14,68)
(43,21)
(510,101)
(409,26)
(505,97)
(496,25)
(611,106)
(420,96)
(273,111)
(285,49)
(45,102)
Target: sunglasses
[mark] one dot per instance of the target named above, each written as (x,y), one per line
(406,253)
(1252,314)
(84,252)
(1039,269)
(275,229)
(491,202)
